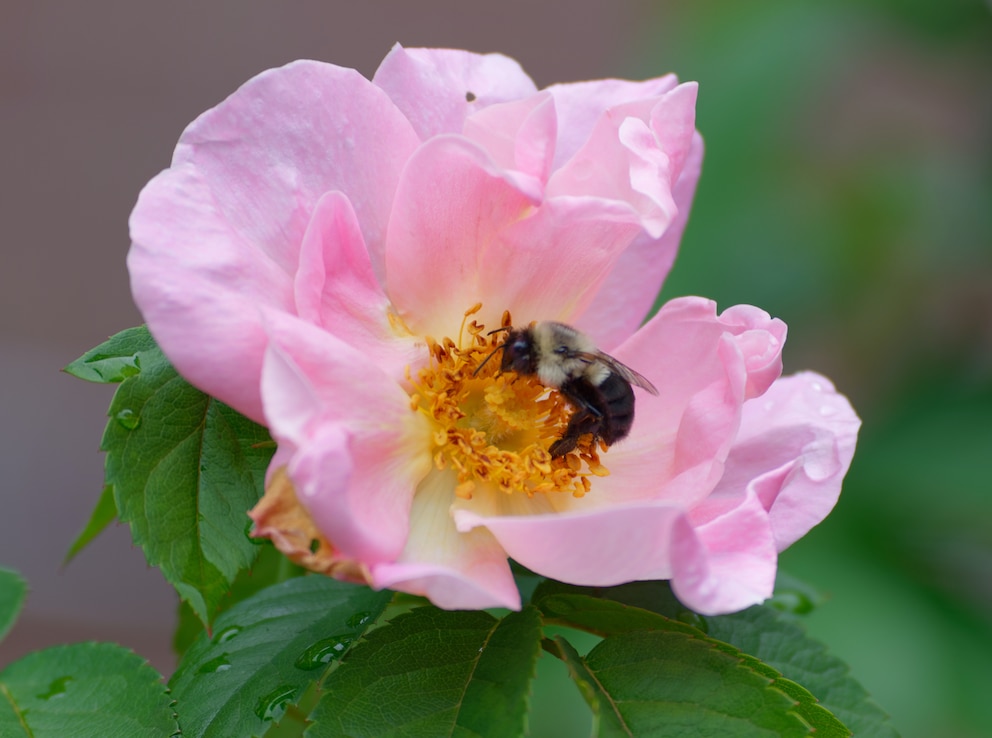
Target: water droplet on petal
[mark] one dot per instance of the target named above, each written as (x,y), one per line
(227,633)
(56,689)
(128,418)
(359,619)
(273,705)
(214,665)
(323,652)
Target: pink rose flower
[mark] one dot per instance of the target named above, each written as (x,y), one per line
(327,254)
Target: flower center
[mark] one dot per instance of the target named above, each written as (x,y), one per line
(494,428)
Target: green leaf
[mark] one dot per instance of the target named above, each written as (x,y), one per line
(266,651)
(609,617)
(115,359)
(674,684)
(434,672)
(87,689)
(655,596)
(184,468)
(784,645)
(271,567)
(103,515)
(12,591)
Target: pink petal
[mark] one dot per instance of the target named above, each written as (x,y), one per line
(360,450)
(793,450)
(289,135)
(599,548)
(727,563)
(703,365)
(632,286)
(548,266)
(450,206)
(455,570)
(581,104)
(517,135)
(199,288)
(432,86)
(217,236)
(635,155)
(337,290)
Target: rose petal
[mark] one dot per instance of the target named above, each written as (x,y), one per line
(702,364)
(199,288)
(360,450)
(727,563)
(628,159)
(517,135)
(521,273)
(599,548)
(795,445)
(432,86)
(337,290)
(580,105)
(450,206)
(217,236)
(455,570)
(631,288)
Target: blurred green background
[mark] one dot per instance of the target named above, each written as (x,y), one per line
(847,189)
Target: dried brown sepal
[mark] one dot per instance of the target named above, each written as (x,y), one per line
(281,518)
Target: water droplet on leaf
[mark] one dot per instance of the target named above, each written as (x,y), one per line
(128,418)
(227,633)
(794,601)
(56,689)
(323,652)
(359,619)
(214,665)
(694,619)
(273,705)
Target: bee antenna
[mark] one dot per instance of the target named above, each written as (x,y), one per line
(500,330)
(491,355)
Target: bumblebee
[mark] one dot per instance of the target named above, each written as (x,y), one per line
(599,387)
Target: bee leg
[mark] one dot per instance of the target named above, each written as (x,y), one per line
(579,424)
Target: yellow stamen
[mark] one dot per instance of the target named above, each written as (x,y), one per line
(494,428)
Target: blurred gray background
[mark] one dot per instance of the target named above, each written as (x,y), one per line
(846,189)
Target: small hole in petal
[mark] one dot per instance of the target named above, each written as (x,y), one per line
(470,96)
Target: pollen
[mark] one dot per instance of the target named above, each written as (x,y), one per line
(493,429)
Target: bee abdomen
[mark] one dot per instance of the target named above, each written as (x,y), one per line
(618,397)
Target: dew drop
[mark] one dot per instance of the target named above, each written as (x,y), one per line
(323,652)
(128,418)
(223,636)
(793,601)
(214,665)
(273,705)
(694,619)
(56,689)
(359,619)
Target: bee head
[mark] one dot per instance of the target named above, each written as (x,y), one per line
(518,353)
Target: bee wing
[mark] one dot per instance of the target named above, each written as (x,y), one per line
(622,369)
